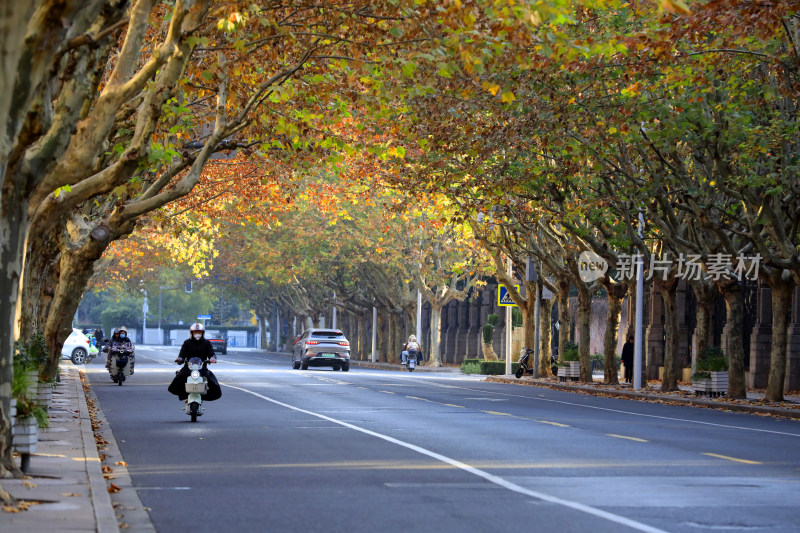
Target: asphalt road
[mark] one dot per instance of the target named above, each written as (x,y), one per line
(367,450)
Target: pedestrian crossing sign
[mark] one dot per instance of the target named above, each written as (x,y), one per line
(503,298)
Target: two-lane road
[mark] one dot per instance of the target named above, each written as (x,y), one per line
(367,450)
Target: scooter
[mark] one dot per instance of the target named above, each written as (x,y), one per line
(411,361)
(196,386)
(525,365)
(121,366)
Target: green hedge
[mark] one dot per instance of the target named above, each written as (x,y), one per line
(486,368)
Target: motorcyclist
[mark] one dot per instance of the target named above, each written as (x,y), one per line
(119,342)
(196,346)
(410,348)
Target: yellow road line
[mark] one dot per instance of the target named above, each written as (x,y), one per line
(624,437)
(454,405)
(496,413)
(552,423)
(420,399)
(733,459)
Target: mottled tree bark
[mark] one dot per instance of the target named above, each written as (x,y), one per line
(734,307)
(563,315)
(669,289)
(436,326)
(584,331)
(616,292)
(704,294)
(545,339)
(781,285)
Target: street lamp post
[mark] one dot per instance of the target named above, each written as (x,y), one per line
(509,316)
(637,347)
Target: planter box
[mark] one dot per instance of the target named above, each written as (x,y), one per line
(575,369)
(44,392)
(701,386)
(25,435)
(716,385)
(571,372)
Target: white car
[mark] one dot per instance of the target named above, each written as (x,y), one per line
(76,347)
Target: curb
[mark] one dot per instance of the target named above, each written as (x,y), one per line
(793,414)
(101,500)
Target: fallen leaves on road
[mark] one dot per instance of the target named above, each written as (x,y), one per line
(113,488)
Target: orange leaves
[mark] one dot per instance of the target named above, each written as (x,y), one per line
(675,6)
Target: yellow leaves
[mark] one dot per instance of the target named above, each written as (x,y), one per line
(508,97)
(492,88)
(19,507)
(232,22)
(675,6)
(612,130)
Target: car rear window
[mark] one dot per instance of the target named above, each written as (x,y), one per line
(327,335)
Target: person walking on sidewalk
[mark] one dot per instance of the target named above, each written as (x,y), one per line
(627,359)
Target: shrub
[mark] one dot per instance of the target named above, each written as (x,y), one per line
(493,319)
(494,368)
(570,353)
(516,317)
(488,333)
(26,408)
(486,368)
(31,355)
(470,368)
(712,359)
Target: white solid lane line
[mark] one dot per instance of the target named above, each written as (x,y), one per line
(497,480)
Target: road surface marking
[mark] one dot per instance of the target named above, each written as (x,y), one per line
(553,423)
(496,413)
(420,399)
(621,411)
(497,480)
(454,405)
(733,459)
(628,438)
(388,392)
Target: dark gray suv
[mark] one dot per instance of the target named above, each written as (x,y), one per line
(321,347)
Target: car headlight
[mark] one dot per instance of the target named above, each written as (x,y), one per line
(195,374)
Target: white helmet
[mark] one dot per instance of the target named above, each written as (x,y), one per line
(197,326)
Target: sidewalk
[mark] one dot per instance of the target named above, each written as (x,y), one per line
(66,487)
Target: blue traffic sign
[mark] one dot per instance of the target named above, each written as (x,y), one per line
(203,317)
(503,298)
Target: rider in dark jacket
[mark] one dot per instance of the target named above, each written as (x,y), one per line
(119,341)
(195,346)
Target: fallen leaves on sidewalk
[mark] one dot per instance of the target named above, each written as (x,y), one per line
(21,505)
(114,488)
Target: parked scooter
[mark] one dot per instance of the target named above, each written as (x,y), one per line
(121,362)
(526,364)
(196,386)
